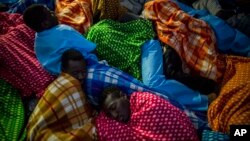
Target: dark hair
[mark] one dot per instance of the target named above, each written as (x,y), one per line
(71,54)
(115,91)
(34,16)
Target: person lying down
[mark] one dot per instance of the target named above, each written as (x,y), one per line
(143,116)
(63,112)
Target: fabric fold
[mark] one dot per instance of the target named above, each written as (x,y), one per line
(232,107)
(19,65)
(62,113)
(120,43)
(193,39)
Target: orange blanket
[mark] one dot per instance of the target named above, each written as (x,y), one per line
(233,104)
(80,13)
(192,38)
(75,13)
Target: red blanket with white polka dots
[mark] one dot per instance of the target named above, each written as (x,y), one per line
(152,118)
(18,63)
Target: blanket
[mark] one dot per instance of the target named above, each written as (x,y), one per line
(229,40)
(80,14)
(208,135)
(19,65)
(153,77)
(120,43)
(134,6)
(12,113)
(152,118)
(8,1)
(232,106)
(20,5)
(107,9)
(62,113)
(52,43)
(193,39)
(75,13)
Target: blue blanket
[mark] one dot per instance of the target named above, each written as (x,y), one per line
(229,40)
(101,76)
(20,5)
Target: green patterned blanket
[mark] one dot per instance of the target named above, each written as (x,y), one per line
(120,43)
(12,126)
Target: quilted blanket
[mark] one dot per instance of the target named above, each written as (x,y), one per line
(19,65)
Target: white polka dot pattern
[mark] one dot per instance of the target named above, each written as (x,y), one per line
(152,118)
(18,64)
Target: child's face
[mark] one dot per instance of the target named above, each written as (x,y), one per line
(117,106)
(77,69)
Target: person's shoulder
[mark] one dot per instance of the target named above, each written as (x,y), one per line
(140,95)
(65,79)
(146,96)
(64,27)
(67,30)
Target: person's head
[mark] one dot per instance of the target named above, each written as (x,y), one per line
(74,64)
(116,104)
(39,18)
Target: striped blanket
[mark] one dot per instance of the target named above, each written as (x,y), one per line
(62,113)
(193,39)
(152,118)
(19,65)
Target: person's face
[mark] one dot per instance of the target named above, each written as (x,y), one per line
(117,106)
(77,69)
(50,18)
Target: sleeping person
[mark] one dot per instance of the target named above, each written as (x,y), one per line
(143,116)
(53,38)
(63,112)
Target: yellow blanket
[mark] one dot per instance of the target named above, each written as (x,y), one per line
(62,113)
(232,107)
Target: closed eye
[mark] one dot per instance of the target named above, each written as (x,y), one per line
(112,106)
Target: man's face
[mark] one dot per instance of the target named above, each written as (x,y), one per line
(77,69)
(51,18)
(117,106)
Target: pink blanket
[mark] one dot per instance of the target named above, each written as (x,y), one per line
(152,118)
(18,63)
